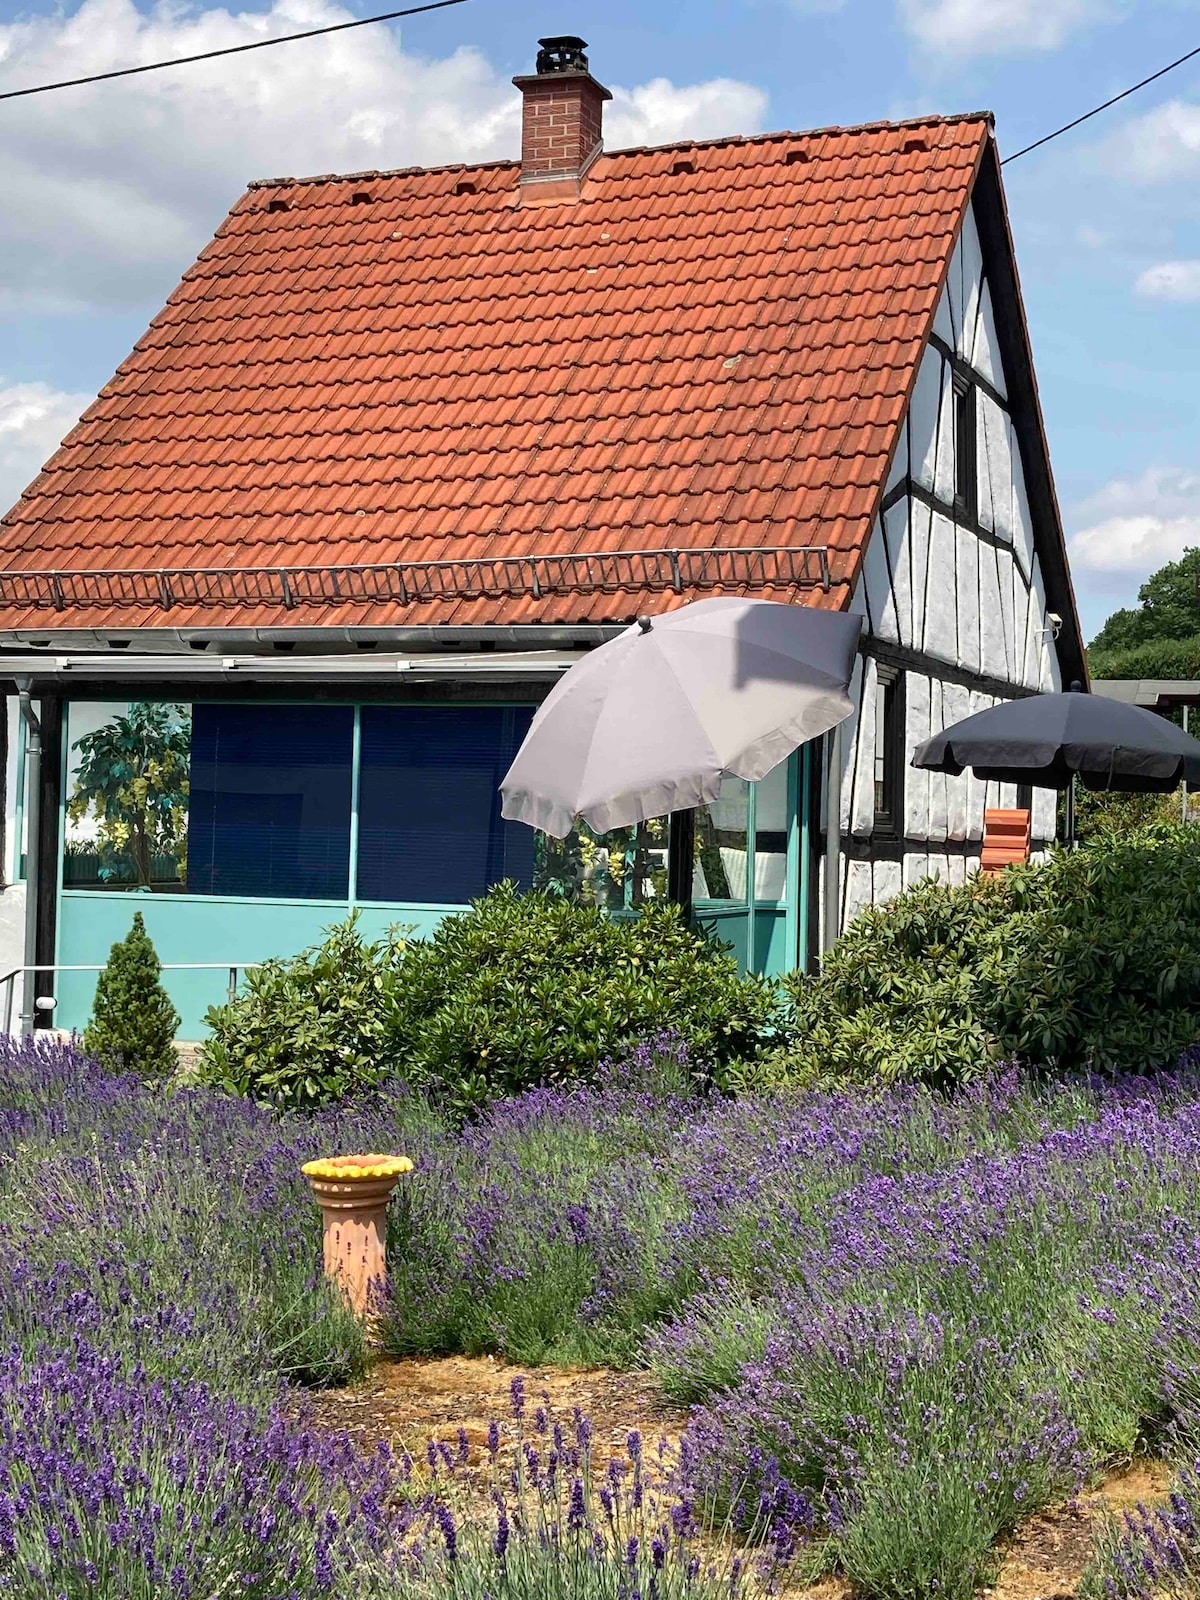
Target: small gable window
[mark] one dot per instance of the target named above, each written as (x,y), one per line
(889,752)
(964,447)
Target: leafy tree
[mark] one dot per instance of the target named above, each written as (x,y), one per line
(133,1022)
(134,773)
(1161,636)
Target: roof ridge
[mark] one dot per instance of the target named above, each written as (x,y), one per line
(930,120)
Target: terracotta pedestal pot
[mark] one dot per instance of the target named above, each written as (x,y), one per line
(353,1193)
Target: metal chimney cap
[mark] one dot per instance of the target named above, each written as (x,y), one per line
(565,53)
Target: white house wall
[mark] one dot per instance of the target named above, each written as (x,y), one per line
(967,594)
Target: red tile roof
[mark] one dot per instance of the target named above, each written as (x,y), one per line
(682,359)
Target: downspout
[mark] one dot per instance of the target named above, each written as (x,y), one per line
(833,836)
(33,797)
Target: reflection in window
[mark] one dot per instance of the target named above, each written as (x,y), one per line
(430,829)
(270,801)
(617,871)
(723,844)
(770,835)
(127,795)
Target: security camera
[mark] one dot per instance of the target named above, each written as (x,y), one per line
(1055,623)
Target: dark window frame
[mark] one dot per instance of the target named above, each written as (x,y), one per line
(966,425)
(889,785)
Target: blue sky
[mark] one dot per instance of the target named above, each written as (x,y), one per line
(110,191)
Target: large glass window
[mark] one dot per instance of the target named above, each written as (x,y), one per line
(430,829)
(126,795)
(269,813)
(746,822)
(618,871)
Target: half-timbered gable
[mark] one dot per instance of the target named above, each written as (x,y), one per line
(953,595)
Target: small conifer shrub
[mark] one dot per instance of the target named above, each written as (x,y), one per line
(133,1021)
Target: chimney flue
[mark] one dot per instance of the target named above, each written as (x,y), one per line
(561,122)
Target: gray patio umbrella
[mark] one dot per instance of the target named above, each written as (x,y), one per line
(650,722)
(1047,739)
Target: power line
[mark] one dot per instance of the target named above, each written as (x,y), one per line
(229,50)
(1096,110)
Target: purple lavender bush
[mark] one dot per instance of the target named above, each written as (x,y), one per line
(1151,1553)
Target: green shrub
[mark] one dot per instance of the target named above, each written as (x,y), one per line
(527,989)
(133,1022)
(519,990)
(311,1030)
(1089,962)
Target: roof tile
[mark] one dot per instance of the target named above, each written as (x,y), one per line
(717,358)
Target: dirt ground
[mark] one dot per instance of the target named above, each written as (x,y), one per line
(406,1402)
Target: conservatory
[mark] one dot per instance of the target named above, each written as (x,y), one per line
(243,818)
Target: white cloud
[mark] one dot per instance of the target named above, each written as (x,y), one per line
(1162,145)
(1171,280)
(661,113)
(33,420)
(110,190)
(998,27)
(1134,525)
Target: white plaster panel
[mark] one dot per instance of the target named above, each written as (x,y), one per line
(851,739)
(1019,620)
(957,870)
(1031,674)
(956,707)
(1045,814)
(971,257)
(994,446)
(943,486)
(862,813)
(985,357)
(887,880)
(954,284)
(898,470)
(1022,520)
(881,609)
(857,890)
(918,550)
(943,323)
(993,623)
(937,780)
(937,867)
(941,611)
(983,480)
(1008,796)
(1005,569)
(923,411)
(968,598)
(916,867)
(895,527)
(917,729)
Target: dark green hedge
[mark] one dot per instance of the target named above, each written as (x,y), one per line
(1090,962)
(523,989)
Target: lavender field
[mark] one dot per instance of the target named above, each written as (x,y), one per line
(902,1323)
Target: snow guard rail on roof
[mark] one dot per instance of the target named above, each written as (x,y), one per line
(406,582)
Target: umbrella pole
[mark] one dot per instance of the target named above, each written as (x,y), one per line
(1071,813)
(681,855)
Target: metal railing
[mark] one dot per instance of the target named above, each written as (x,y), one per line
(411,582)
(46,1003)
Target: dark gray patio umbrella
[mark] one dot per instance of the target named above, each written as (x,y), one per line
(650,722)
(1048,739)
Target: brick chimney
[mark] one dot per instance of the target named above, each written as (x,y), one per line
(560,130)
